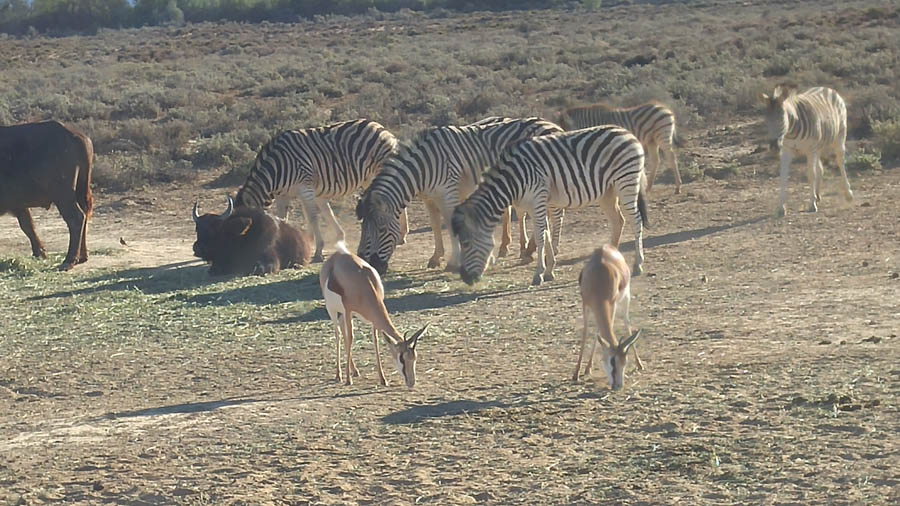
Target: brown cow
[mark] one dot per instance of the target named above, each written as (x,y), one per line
(248,240)
(42,164)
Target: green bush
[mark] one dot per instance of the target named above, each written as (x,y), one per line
(861,161)
(887,138)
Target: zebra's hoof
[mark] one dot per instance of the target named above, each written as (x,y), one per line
(503,251)
(678,190)
(637,270)
(813,207)
(548,276)
(781,212)
(318,258)
(537,280)
(433,263)
(849,196)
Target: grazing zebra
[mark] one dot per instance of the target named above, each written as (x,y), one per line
(653,124)
(317,164)
(812,123)
(560,171)
(441,166)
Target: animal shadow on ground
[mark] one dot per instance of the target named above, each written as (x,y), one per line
(305,288)
(674,237)
(152,280)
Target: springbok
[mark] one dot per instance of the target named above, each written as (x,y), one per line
(352,287)
(604,282)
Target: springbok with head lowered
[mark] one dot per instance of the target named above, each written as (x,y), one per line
(604,283)
(812,123)
(352,287)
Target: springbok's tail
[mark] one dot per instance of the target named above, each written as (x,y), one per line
(342,247)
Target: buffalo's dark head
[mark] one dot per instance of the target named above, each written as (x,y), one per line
(209,231)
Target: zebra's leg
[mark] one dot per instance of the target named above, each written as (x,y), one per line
(325,208)
(447,205)
(672,161)
(630,201)
(839,158)
(434,215)
(786,157)
(540,229)
(505,234)
(556,228)
(404,227)
(551,257)
(307,196)
(820,175)
(812,167)
(526,246)
(652,152)
(610,205)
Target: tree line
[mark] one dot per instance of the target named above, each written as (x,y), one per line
(80,16)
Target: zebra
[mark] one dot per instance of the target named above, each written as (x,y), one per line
(558,171)
(441,166)
(811,123)
(317,164)
(652,123)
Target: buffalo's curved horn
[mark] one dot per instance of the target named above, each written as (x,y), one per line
(196,212)
(228,209)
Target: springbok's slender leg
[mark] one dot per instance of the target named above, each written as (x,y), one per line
(338,325)
(348,347)
(505,234)
(786,156)
(434,215)
(381,378)
(584,333)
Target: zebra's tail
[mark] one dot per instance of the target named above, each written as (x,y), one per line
(642,200)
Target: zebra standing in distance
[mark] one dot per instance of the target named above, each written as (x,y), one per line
(812,123)
(652,123)
(317,164)
(442,165)
(561,171)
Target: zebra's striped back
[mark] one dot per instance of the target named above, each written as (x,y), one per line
(652,123)
(564,170)
(434,164)
(333,160)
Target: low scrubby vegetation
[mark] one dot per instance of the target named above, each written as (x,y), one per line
(171,102)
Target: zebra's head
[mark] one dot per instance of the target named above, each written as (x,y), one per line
(776,114)
(476,240)
(381,231)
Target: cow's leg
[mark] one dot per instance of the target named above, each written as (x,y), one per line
(308,197)
(27,225)
(434,216)
(75,219)
(505,234)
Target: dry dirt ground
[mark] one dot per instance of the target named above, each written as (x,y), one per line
(770,347)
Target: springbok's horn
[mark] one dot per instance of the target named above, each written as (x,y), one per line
(196,212)
(228,209)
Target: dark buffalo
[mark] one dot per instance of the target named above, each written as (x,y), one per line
(248,240)
(42,164)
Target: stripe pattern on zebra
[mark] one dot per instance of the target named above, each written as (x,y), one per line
(316,164)
(652,123)
(813,124)
(441,166)
(559,171)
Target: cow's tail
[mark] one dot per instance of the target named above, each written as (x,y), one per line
(83,182)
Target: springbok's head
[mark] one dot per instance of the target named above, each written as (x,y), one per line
(381,231)
(615,358)
(776,113)
(476,240)
(404,355)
